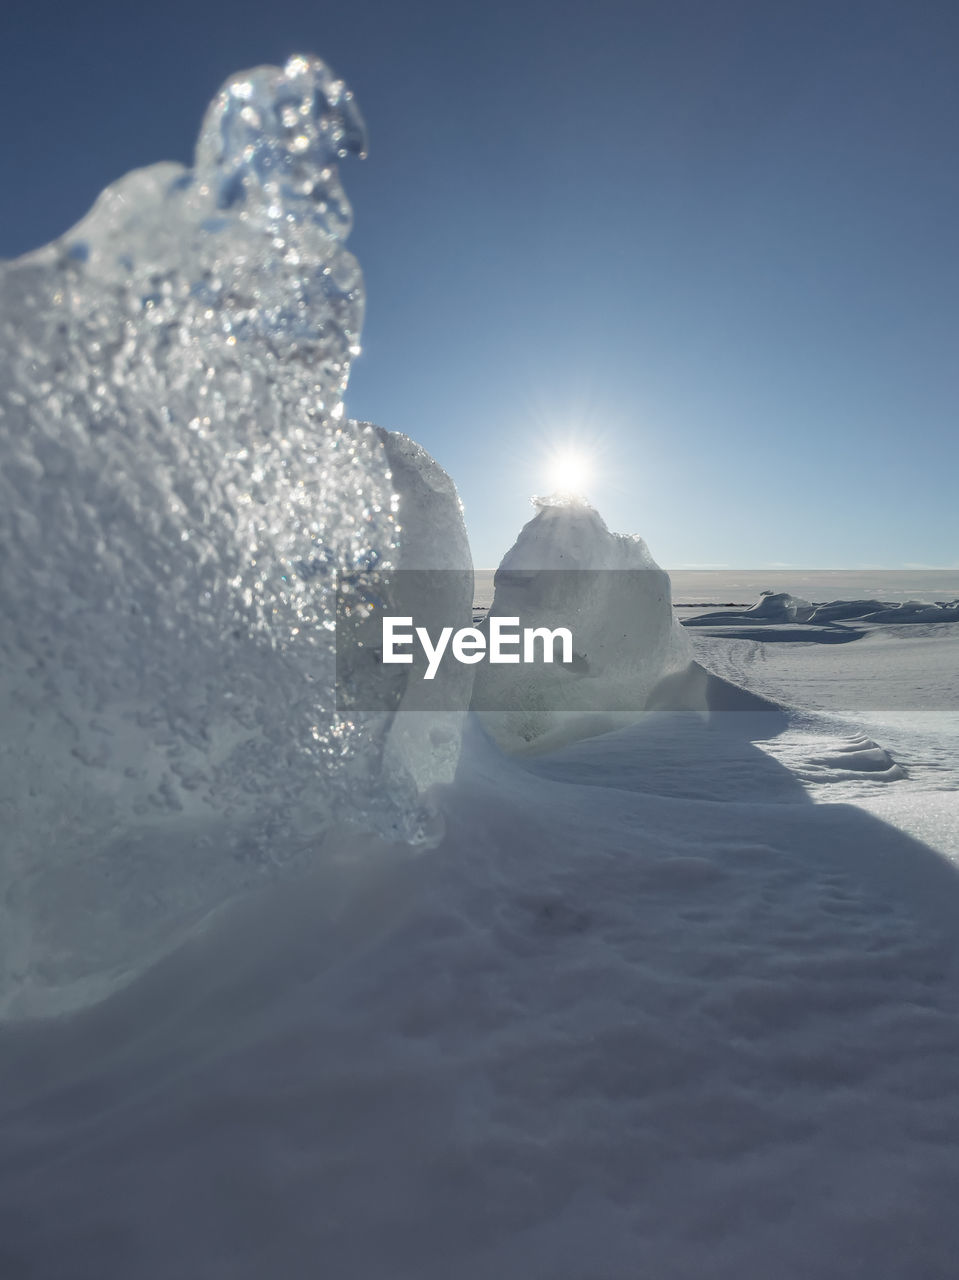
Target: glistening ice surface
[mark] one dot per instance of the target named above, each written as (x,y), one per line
(178,484)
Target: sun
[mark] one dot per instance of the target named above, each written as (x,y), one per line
(570,470)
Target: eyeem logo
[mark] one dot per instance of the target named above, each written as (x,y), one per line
(469,645)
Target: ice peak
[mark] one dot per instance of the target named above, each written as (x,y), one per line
(562,498)
(270,140)
(567,532)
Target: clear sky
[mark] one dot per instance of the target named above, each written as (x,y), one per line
(714,243)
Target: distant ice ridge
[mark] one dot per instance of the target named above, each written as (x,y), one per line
(179,487)
(567,570)
(781,607)
(877,611)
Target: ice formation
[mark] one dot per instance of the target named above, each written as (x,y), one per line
(781,607)
(567,570)
(179,490)
(423,746)
(910,611)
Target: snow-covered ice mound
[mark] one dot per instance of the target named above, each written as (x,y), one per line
(909,611)
(856,757)
(180,493)
(567,570)
(780,606)
(771,607)
(841,610)
(915,611)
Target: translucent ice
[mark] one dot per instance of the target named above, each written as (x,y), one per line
(423,746)
(179,489)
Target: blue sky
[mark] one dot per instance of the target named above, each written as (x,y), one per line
(711,242)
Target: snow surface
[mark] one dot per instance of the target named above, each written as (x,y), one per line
(647,1010)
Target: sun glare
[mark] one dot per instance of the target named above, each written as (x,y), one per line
(570,471)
